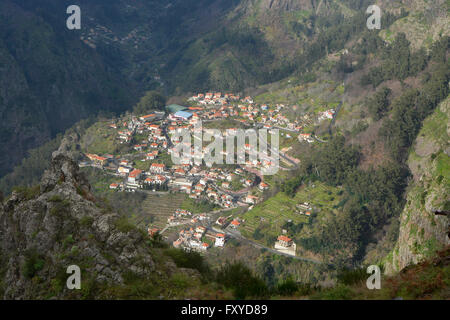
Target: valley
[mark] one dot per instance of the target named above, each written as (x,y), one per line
(356,173)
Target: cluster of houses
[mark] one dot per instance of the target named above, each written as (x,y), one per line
(198,238)
(225,222)
(180,216)
(216,98)
(151,137)
(245,111)
(195,238)
(196,182)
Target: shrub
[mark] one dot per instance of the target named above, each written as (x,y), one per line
(86,221)
(75,250)
(33,264)
(60,207)
(350,277)
(124,225)
(55,198)
(156,241)
(287,287)
(28,192)
(180,280)
(68,241)
(191,260)
(241,280)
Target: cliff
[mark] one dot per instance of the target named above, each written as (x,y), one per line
(424,226)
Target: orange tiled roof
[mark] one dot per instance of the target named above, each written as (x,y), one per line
(284,238)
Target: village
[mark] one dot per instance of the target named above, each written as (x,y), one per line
(148,167)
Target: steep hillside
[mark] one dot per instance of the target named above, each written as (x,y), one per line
(427,21)
(45,229)
(49,79)
(424,225)
(262,41)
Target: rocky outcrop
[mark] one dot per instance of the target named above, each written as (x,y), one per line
(46,229)
(424,224)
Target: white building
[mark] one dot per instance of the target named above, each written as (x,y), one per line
(220,240)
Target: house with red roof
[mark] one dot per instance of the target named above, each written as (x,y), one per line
(113,186)
(96,159)
(134,175)
(263,186)
(235,223)
(157,167)
(286,245)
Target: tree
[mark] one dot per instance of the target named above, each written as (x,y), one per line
(150,101)
(379,103)
(335,160)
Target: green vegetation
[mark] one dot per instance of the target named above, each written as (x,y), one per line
(333,161)
(398,62)
(411,108)
(427,280)
(152,100)
(30,170)
(68,241)
(60,208)
(198,206)
(28,192)
(33,264)
(99,139)
(192,260)
(124,225)
(241,280)
(265,221)
(378,104)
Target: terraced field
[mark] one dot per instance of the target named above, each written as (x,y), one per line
(157,208)
(272,214)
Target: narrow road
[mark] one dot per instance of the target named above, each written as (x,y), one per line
(238,236)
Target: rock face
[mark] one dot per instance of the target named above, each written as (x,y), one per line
(287,5)
(424,226)
(44,230)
